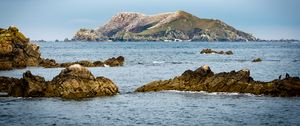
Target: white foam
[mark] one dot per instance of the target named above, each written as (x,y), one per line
(158,62)
(211,93)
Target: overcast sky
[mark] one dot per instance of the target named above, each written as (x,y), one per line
(57,19)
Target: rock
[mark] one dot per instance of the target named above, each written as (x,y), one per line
(49,63)
(257,60)
(31,86)
(6,82)
(210,51)
(16,51)
(77,81)
(83,63)
(112,62)
(203,79)
(73,82)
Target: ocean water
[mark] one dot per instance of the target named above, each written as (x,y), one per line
(149,61)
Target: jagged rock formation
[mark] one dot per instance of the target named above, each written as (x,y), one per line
(210,51)
(203,79)
(112,62)
(73,82)
(172,26)
(16,51)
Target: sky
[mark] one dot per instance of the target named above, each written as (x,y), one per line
(59,19)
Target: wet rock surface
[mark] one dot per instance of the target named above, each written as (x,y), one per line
(210,51)
(73,82)
(16,51)
(203,79)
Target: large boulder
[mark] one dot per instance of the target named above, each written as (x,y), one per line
(203,79)
(77,81)
(16,50)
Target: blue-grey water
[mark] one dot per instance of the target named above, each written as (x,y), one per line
(149,61)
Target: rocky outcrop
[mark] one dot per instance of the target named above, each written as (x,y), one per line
(73,82)
(257,60)
(179,25)
(203,79)
(112,62)
(16,51)
(210,51)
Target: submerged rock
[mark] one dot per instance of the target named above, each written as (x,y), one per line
(210,51)
(203,79)
(16,50)
(74,82)
(257,60)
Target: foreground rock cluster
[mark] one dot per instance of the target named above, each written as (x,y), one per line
(73,82)
(210,51)
(203,79)
(16,51)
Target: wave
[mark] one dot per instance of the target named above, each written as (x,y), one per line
(211,93)
(158,62)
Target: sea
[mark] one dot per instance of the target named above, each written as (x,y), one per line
(150,61)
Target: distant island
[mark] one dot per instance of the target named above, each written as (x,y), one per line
(173,26)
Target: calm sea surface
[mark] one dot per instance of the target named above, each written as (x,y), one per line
(149,61)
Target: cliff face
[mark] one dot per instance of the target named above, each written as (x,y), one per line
(177,25)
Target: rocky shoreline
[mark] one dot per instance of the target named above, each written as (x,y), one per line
(73,82)
(203,79)
(16,51)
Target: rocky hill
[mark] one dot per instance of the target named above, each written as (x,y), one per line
(173,26)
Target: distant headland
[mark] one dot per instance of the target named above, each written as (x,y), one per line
(173,26)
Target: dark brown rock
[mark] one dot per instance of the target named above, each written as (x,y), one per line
(257,60)
(210,51)
(6,82)
(31,86)
(112,62)
(203,79)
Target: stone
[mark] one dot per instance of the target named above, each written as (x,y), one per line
(203,79)
(16,50)
(257,60)
(210,51)
(112,62)
(77,81)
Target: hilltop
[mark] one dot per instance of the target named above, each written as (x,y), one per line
(173,26)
